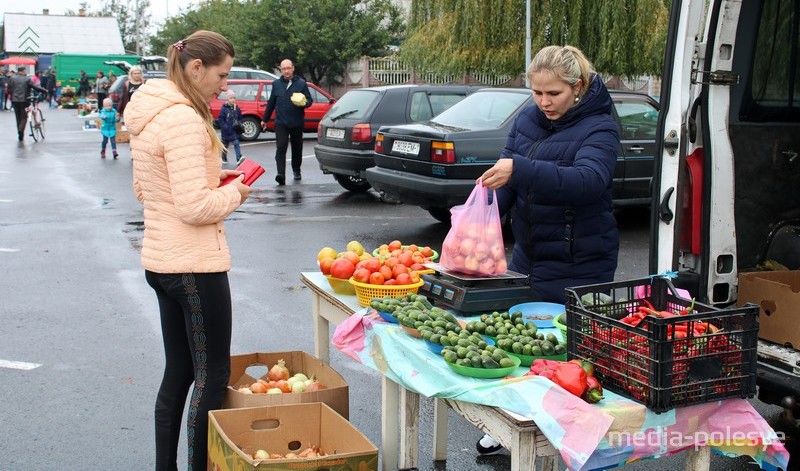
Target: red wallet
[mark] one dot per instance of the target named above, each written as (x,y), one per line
(252,170)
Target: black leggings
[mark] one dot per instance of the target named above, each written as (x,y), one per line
(196,327)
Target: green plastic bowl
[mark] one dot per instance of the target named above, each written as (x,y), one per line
(561,327)
(485,373)
(527,360)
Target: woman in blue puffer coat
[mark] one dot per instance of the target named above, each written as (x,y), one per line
(557,168)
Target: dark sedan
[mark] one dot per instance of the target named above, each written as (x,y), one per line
(346,135)
(435,165)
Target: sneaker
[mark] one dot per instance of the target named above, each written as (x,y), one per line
(240,160)
(20,136)
(297,176)
(488,446)
(102,154)
(280,179)
(115,154)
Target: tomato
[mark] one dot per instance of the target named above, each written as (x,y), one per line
(361,275)
(416,267)
(386,272)
(405,258)
(414,277)
(383,247)
(389,282)
(403,279)
(395,245)
(412,247)
(391,262)
(376,278)
(398,270)
(342,268)
(373,264)
(325,265)
(426,251)
(351,256)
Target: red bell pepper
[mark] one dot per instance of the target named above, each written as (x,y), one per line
(571,377)
(594,392)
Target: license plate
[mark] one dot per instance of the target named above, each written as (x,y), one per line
(335,133)
(404,147)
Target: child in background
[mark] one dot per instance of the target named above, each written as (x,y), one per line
(229,114)
(109,118)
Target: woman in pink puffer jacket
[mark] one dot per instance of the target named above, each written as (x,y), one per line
(176,176)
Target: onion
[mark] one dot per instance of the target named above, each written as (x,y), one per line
(278,371)
(298,387)
(291,381)
(315,386)
(300,377)
(274,391)
(261,455)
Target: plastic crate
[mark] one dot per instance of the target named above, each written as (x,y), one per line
(366,291)
(653,363)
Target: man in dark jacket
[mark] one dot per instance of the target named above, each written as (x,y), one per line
(289,99)
(19,87)
(3,90)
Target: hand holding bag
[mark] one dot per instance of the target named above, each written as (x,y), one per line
(474,245)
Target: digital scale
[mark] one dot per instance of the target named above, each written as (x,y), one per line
(475,293)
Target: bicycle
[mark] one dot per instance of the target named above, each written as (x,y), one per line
(35,118)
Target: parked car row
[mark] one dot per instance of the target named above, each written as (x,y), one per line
(426,145)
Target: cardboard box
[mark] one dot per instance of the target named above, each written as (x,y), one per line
(122,134)
(234,435)
(337,394)
(778,295)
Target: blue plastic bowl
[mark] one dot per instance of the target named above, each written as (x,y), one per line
(387,317)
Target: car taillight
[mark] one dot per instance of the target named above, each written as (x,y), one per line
(361,133)
(443,152)
(691,219)
(379,143)
(319,131)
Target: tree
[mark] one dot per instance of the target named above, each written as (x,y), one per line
(133,18)
(621,37)
(320,36)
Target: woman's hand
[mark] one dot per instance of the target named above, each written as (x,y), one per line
(244,190)
(227,173)
(498,175)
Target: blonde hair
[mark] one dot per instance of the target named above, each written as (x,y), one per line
(212,49)
(133,69)
(566,63)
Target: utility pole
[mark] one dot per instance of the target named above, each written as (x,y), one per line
(527,40)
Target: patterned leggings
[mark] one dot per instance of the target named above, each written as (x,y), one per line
(196,327)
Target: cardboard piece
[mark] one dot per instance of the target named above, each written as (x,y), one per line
(337,394)
(234,435)
(122,134)
(778,295)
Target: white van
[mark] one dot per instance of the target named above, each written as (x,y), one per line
(726,185)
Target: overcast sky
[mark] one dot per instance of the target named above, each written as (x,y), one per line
(159,9)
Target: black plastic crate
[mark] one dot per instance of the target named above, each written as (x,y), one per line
(655,363)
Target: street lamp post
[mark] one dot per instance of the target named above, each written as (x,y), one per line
(527,40)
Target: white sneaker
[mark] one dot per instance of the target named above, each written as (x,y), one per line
(488,446)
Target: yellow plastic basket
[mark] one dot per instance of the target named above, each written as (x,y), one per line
(341,285)
(366,292)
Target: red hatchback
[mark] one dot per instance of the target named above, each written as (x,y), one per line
(252,96)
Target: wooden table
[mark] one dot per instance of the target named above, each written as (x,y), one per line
(400,407)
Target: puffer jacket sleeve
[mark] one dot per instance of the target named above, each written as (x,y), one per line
(583,182)
(196,202)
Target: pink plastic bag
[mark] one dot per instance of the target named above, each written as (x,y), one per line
(474,244)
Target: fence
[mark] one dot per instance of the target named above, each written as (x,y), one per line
(391,70)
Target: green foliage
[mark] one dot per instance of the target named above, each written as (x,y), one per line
(132,22)
(320,36)
(621,37)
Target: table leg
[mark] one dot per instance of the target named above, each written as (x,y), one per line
(321,330)
(698,459)
(523,451)
(549,463)
(409,427)
(390,404)
(439,430)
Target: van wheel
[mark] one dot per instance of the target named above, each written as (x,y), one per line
(252,128)
(351,183)
(440,214)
